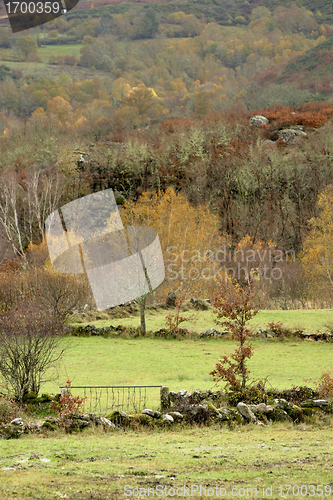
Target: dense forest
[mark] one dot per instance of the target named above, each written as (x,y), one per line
(162,96)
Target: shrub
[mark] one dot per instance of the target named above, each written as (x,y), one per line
(325,385)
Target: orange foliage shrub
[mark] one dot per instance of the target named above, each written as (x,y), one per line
(310,114)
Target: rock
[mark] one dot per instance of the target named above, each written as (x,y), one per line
(17,422)
(10,431)
(199,304)
(195,396)
(210,333)
(320,402)
(291,135)
(224,414)
(282,404)
(236,416)
(82,424)
(107,424)
(246,412)
(181,393)
(261,333)
(148,412)
(269,144)
(172,396)
(198,413)
(171,300)
(176,415)
(167,418)
(258,121)
(34,428)
(280,415)
(259,408)
(117,416)
(157,414)
(212,408)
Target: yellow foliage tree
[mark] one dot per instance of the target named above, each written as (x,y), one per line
(189,236)
(60,108)
(317,258)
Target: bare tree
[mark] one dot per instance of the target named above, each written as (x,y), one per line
(31,342)
(24,206)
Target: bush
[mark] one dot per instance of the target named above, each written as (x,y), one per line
(325,385)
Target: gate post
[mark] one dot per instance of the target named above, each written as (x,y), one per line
(165,402)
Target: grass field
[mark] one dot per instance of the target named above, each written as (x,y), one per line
(99,466)
(309,320)
(185,363)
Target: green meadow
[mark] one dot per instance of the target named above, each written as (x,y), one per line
(247,461)
(309,320)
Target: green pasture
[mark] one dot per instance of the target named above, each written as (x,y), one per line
(185,364)
(309,320)
(98,465)
(58,50)
(46,52)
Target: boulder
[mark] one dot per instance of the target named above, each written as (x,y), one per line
(181,393)
(210,333)
(291,135)
(10,431)
(167,418)
(246,412)
(176,415)
(280,415)
(224,414)
(258,121)
(107,424)
(148,412)
(17,422)
(171,300)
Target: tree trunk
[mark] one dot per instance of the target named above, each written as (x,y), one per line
(243,374)
(142,303)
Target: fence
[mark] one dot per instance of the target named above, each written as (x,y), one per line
(129,398)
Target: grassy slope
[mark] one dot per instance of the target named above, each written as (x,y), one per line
(98,466)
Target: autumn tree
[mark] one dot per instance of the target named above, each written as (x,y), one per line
(235,307)
(318,248)
(26,46)
(61,108)
(189,236)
